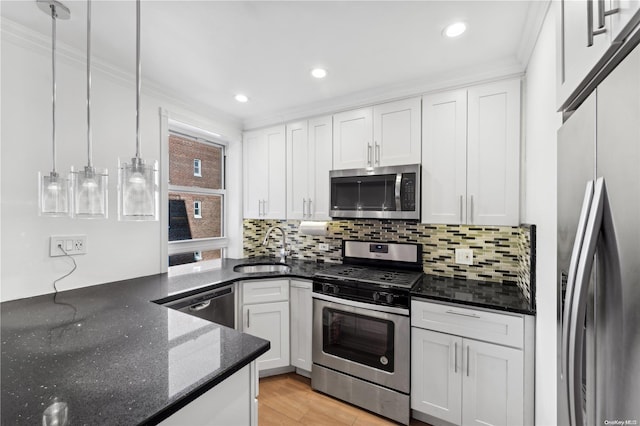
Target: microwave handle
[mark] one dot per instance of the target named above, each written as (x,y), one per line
(398,192)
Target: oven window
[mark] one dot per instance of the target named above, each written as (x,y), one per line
(358,338)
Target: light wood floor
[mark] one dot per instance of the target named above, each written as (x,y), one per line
(289,400)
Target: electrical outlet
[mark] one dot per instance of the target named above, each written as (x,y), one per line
(323,247)
(464,256)
(71,244)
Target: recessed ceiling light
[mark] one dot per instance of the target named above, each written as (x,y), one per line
(241,98)
(455,29)
(319,72)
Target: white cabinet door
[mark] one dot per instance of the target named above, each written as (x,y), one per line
(297,170)
(264,173)
(493,384)
(320,163)
(436,374)
(576,57)
(396,133)
(301,323)
(493,153)
(353,139)
(269,321)
(276,207)
(256,170)
(444,158)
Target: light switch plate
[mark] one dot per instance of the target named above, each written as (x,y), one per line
(72,245)
(464,256)
(323,247)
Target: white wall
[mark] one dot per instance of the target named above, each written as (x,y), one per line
(542,122)
(116,250)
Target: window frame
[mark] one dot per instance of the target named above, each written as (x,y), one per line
(197,244)
(197,209)
(197,173)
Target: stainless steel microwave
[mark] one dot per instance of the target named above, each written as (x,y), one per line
(376,193)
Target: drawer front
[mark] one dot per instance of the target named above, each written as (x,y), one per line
(265,291)
(472,323)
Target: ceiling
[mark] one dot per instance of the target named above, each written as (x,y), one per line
(204,52)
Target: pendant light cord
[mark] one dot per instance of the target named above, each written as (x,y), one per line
(138,72)
(53,95)
(89,141)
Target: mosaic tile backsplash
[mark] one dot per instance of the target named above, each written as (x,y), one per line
(500,253)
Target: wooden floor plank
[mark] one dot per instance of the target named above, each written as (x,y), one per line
(288,400)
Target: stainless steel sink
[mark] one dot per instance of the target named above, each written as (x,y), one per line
(260,268)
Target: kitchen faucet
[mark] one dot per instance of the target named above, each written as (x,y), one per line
(283,251)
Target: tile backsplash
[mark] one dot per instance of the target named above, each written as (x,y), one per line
(500,253)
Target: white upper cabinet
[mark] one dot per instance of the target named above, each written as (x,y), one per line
(309,157)
(444,157)
(353,139)
(471,155)
(264,173)
(493,154)
(297,170)
(396,133)
(587,37)
(384,135)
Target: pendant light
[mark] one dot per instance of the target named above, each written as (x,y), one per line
(53,197)
(137,181)
(89,186)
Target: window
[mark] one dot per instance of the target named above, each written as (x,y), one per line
(196,200)
(197,167)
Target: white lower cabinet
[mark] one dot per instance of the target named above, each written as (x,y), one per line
(268,319)
(301,324)
(436,382)
(231,402)
(463,381)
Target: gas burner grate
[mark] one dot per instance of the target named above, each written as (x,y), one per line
(395,278)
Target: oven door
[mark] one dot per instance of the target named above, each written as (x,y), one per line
(355,339)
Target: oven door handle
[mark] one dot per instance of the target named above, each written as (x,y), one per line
(362,305)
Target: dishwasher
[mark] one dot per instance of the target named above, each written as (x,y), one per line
(215,305)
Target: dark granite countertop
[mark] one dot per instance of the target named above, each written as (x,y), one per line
(484,294)
(114,356)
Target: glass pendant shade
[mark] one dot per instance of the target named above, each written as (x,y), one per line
(89,193)
(54,195)
(138,190)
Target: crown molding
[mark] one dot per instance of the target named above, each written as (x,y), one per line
(537,12)
(446,81)
(34,41)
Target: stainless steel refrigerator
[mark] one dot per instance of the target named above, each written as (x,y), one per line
(599,254)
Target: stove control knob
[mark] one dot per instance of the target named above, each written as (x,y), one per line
(376,296)
(325,288)
(335,289)
(390,298)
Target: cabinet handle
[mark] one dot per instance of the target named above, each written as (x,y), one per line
(449,311)
(590,31)
(461,209)
(467,360)
(368,153)
(304,207)
(471,209)
(602,13)
(377,153)
(455,357)
(248,316)
(309,207)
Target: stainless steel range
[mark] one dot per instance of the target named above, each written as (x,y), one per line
(361,326)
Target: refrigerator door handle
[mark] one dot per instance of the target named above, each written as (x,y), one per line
(579,305)
(573,266)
